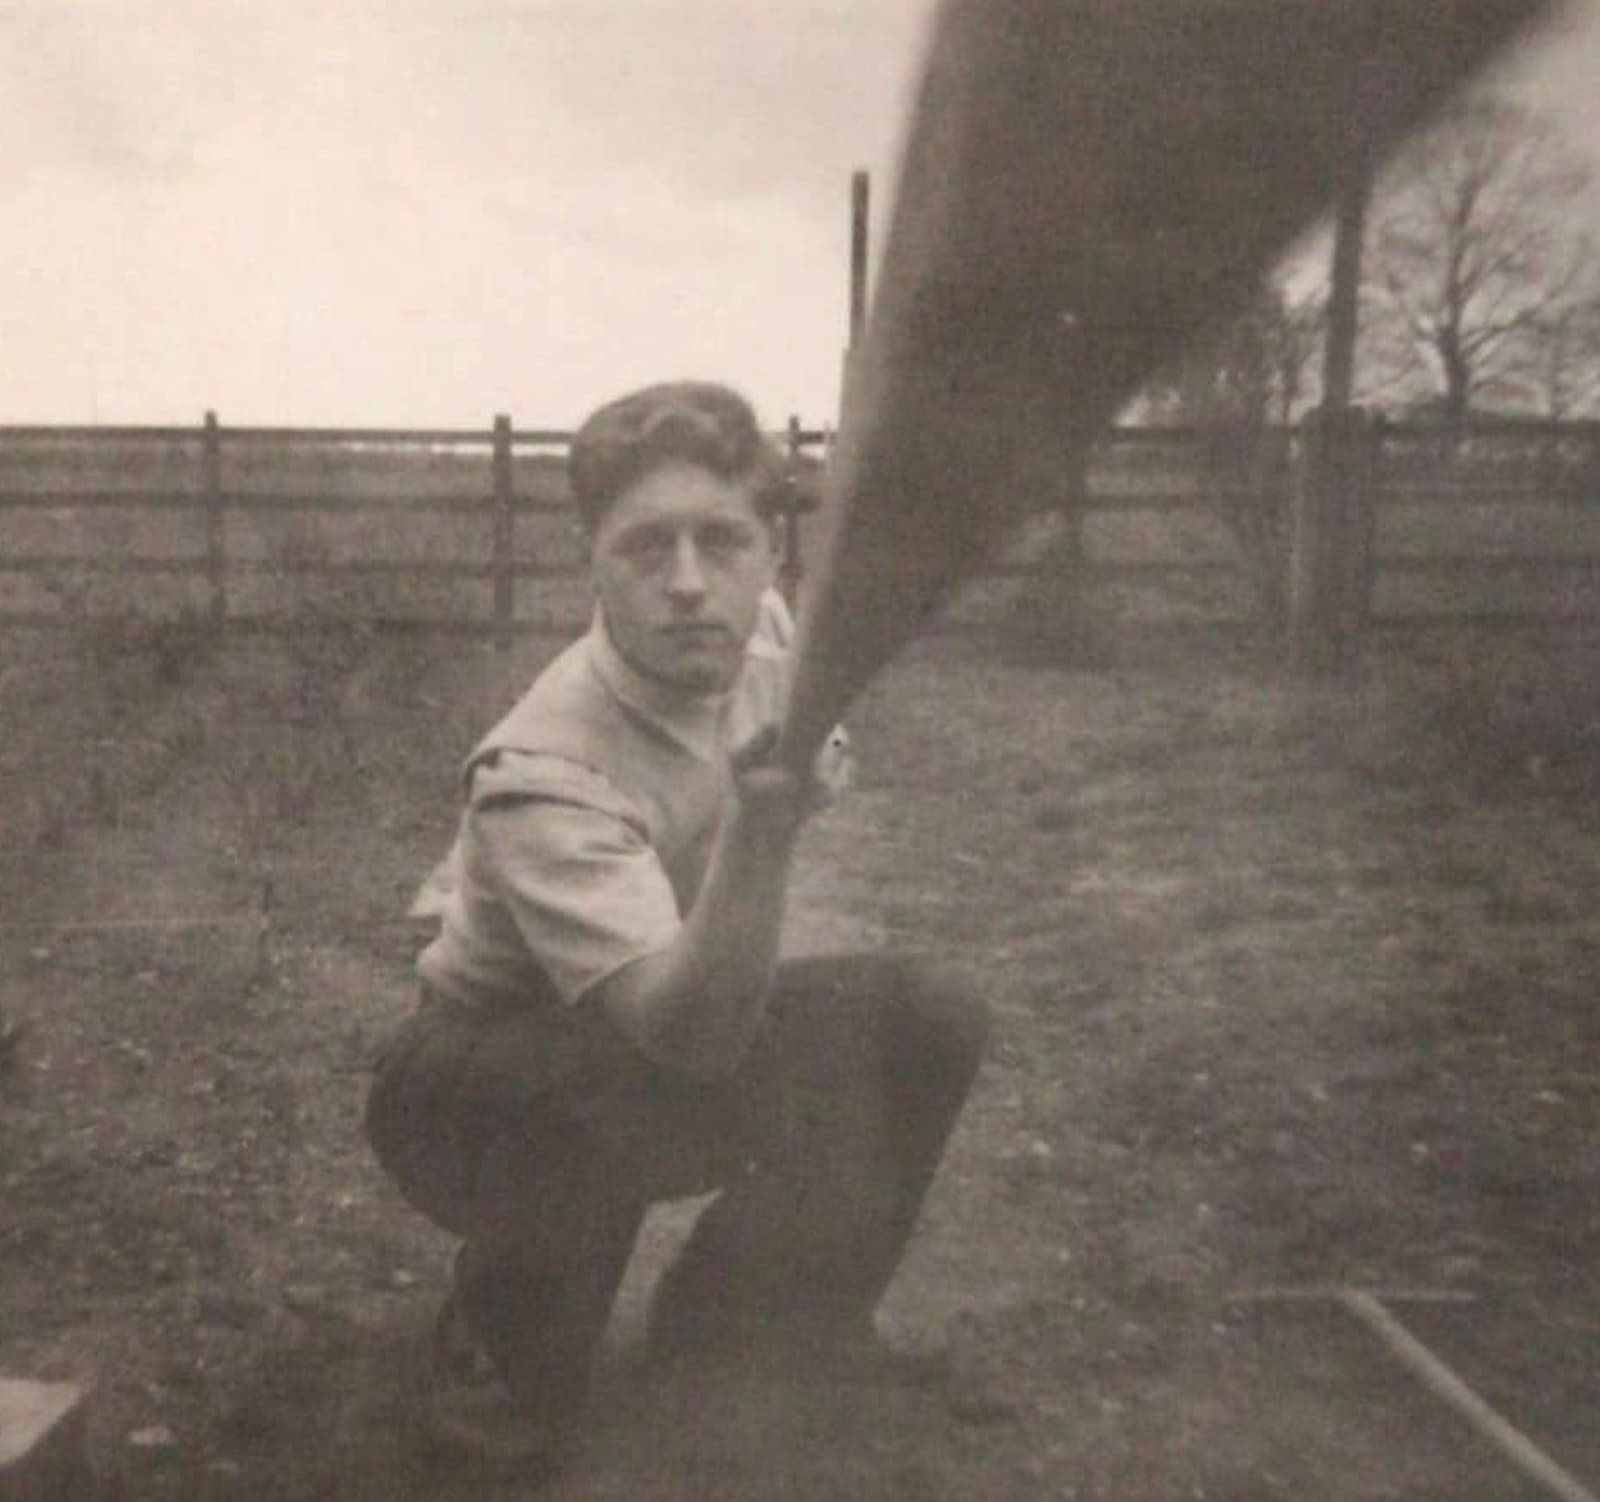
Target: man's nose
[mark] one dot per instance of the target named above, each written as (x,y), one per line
(687,580)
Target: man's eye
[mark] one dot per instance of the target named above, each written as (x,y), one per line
(721,542)
(647,547)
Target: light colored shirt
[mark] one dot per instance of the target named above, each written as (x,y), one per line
(588,821)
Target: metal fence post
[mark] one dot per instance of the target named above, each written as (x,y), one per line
(216,523)
(505,583)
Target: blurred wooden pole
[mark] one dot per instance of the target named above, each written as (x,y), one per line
(1344,289)
(860,249)
(1331,525)
(1333,528)
(860,212)
(505,597)
(790,567)
(216,525)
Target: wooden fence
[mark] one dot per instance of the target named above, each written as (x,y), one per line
(467,516)
(1323,531)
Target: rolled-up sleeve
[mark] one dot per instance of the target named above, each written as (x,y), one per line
(569,860)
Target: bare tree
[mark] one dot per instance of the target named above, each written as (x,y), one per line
(1479,266)
(1557,362)
(1254,372)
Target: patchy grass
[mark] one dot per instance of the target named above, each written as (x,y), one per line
(1292,987)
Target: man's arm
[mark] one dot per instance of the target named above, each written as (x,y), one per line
(695,1007)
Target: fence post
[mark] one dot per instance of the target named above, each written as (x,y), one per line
(1053,620)
(860,220)
(1333,529)
(505,583)
(216,526)
(791,567)
(1272,486)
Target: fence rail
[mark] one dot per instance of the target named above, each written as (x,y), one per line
(1205,522)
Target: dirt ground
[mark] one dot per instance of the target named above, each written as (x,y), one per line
(1293,988)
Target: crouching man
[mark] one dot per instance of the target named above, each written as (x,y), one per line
(604,1021)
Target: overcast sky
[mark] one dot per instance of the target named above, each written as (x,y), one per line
(421,212)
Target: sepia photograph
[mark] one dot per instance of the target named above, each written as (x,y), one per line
(832,751)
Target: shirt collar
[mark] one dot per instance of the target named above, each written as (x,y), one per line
(694,721)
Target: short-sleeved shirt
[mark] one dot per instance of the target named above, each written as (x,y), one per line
(588,820)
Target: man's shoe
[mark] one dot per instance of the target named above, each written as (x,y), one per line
(472,1414)
(862,1354)
(850,1352)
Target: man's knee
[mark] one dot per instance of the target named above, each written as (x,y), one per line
(850,1012)
(415,1126)
(931,1015)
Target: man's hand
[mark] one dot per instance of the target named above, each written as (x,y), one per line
(772,797)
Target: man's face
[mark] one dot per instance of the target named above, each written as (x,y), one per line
(680,562)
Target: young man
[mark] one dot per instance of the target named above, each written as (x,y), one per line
(604,1021)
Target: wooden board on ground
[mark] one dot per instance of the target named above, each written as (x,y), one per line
(41,1440)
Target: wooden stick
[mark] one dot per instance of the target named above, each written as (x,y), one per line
(1445,1384)
(1086,188)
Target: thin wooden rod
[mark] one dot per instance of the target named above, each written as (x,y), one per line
(1445,1384)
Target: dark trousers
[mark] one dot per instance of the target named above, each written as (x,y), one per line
(541,1136)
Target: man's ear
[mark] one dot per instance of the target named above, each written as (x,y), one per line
(584,537)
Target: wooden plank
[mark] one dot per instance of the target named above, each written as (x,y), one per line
(42,1457)
(461,503)
(1485,620)
(100,563)
(1469,566)
(139,500)
(1134,434)
(270,625)
(1119,570)
(525,503)
(1390,622)
(385,568)
(525,438)
(24,432)
(1408,493)
(1475,429)
(1163,499)
(400,568)
(1159,434)
(1001,633)
(377,437)
(458,502)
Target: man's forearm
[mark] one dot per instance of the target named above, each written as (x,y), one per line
(696,1007)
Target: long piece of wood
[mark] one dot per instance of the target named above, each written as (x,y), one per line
(1086,186)
(1445,1384)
